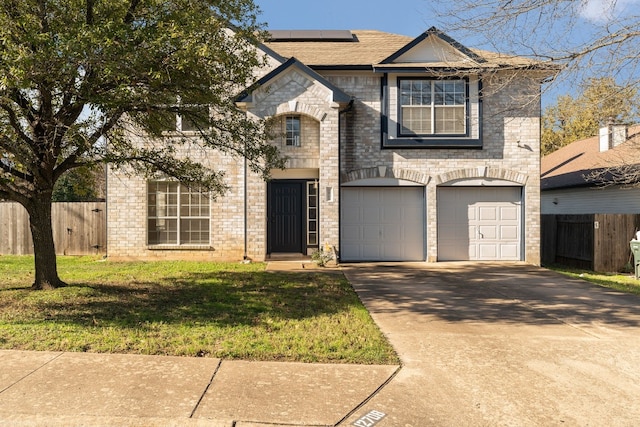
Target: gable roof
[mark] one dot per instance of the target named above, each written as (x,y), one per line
(433,32)
(371,48)
(569,166)
(338,94)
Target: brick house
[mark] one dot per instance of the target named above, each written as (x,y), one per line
(400,149)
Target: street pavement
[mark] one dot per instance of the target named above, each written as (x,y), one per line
(489,344)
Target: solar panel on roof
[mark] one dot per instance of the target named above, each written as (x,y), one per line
(311,35)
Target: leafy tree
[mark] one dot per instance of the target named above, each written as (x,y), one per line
(75,73)
(572,119)
(78,185)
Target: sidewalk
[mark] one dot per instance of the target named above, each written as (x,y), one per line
(87,389)
(56,389)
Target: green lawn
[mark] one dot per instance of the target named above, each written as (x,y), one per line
(226,310)
(624,282)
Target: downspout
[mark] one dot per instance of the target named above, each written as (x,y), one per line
(244,255)
(106,211)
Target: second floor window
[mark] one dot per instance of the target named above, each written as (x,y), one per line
(432,107)
(292,131)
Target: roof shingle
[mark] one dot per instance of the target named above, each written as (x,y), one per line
(371,47)
(568,166)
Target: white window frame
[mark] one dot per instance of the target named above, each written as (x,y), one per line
(291,137)
(448,100)
(313,219)
(159,212)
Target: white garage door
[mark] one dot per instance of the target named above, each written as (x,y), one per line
(479,223)
(382,224)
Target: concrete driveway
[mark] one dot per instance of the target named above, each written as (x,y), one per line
(501,345)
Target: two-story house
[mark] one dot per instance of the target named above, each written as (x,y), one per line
(399,148)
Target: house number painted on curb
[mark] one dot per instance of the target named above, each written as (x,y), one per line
(370,419)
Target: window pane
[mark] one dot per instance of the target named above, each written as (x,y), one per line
(195,118)
(162,121)
(163,231)
(313,239)
(292,131)
(416,120)
(449,92)
(450,120)
(194,231)
(415,92)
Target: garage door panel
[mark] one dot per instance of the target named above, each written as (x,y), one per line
(390,224)
(488,232)
(509,232)
(473,251)
(371,215)
(509,251)
(391,214)
(487,213)
(509,213)
(471,214)
(488,251)
(491,217)
(392,232)
(351,233)
(370,232)
(371,252)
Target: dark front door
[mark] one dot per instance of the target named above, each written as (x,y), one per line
(285,210)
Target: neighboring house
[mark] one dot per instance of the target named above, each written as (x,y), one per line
(591,202)
(399,149)
(578,178)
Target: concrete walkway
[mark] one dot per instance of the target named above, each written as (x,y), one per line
(481,345)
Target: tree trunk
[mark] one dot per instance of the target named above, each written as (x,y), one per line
(46,276)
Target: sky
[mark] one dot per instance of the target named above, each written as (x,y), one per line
(410,18)
(406,17)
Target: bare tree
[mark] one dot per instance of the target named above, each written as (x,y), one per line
(588,38)
(621,165)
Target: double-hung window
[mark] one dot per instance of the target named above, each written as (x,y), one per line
(432,107)
(177,214)
(292,131)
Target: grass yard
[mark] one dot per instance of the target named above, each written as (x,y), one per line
(623,282)
(225,310)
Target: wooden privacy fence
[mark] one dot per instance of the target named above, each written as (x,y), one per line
(79,228)
(598,242)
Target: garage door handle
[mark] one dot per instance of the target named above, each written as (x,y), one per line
(480,235)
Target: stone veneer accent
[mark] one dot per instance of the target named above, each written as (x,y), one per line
(385,172)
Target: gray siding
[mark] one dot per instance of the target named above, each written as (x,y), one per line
(611,200)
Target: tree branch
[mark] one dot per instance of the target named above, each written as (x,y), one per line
(6,168)
(130,16)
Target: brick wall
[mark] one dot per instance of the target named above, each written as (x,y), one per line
(511,135)
(511,138)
